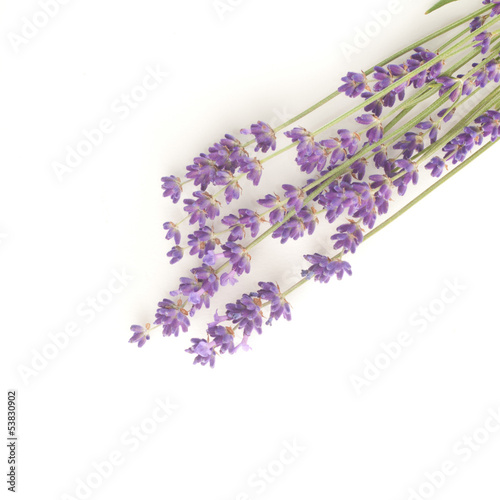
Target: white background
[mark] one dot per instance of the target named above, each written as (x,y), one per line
(62,241)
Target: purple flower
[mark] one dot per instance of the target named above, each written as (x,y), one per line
(253,168)
(304,138)
(264,135)
(349,237)
(496,9)
(436,166)
(355,84)
(232,192)
(175,254)
(349,140)
(412,143)
(141,335)
(172,232)
(490,123)
(433,127)
(375,133)
(246,314)
(376,107)
(202,207)
(199,288)
(358,168)
(205,352)
(203,171)
(295,197)
(458,148)
(223,337)
(172,188)
(238,257)
(172,318)
(477,23)
(409,171)
(447,83)
(202,241)
(279,305)
(324,268)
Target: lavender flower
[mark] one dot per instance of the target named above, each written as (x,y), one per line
(349,237)
(202,241)
(355,84)
(173,232)
(253,168)
(172,317)
(279,305)
(264,135)
(175,254)
(324,268)
(141,335)
(172,188)
(205,352)
(436,166)
(246,314)
(202,207)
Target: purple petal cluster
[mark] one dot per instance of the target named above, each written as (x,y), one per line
(172,318)
(280,307)
(264,135)
(323,268)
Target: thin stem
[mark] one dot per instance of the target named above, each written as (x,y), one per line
(404,209)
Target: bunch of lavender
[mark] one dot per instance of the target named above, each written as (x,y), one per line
(410,112)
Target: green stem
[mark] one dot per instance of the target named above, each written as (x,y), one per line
(404,209)
(390,59)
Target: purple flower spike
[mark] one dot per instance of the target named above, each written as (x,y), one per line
(172,318)
(205,352)
(375,133)
(349,140)
(436,166)
(304,138)
(349,237)
(246,314)
(490,123)
(141,335)
(496,9)
(279,305)
(264,135)
(202,207)
(175,254)
(295,197)
(447,83)
(324,268)
(253,168)
(172,188)
(412,143)
(238,257)
(484,40)
(172,232)
(355,84)
(202,241)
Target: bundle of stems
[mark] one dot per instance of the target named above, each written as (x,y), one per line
(420,110)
